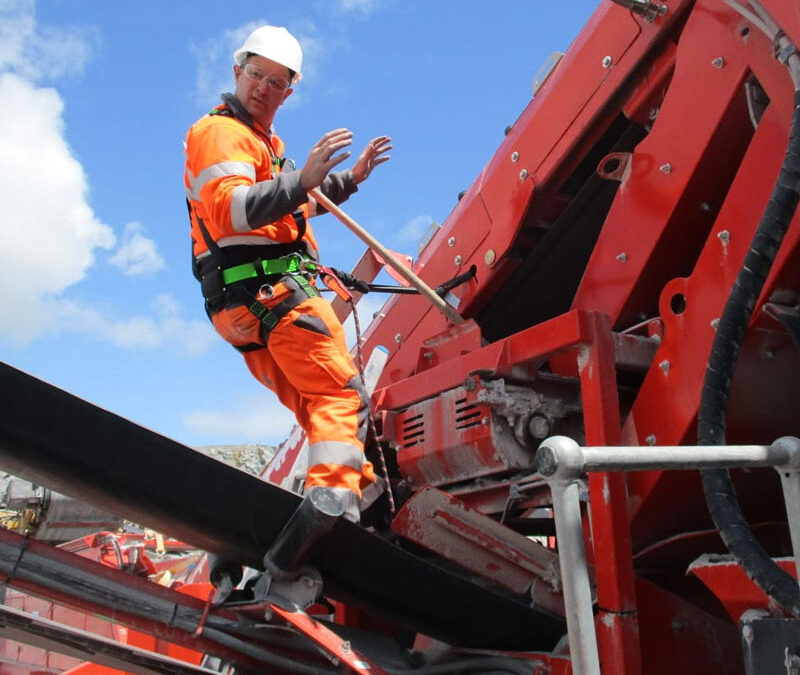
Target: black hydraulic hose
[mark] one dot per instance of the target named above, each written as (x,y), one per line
(717,485)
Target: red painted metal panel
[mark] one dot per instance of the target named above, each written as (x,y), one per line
(570,112)
(668,400)
(444,525)
(527,348)
(734,589)
(679,637)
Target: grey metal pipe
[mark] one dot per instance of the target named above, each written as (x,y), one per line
(790,481)
(562,462)
(561,455)
(575,578)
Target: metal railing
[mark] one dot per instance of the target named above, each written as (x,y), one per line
(562,463)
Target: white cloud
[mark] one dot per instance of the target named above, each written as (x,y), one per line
(413,230)
(215,63)
(49,233)
(137,254)
(258,418)
(361,6)
(40,53)
(166,329)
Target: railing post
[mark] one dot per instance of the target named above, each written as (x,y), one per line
(563,480)
(790,480)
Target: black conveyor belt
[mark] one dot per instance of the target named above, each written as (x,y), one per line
(58,440)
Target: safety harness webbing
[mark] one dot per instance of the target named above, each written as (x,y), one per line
(231,291)
(292,264)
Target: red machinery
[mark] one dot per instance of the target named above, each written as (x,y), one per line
(612,235)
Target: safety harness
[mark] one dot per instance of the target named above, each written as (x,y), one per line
(225,284)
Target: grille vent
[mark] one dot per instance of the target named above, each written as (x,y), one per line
(467,415)
(413,431)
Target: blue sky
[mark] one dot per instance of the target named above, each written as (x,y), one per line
(97,96)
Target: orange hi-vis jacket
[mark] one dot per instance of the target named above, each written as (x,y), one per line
(234,183)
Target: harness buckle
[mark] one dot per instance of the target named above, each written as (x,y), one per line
(301,263)
(294,262)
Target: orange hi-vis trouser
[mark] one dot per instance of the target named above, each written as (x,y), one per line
(306,363)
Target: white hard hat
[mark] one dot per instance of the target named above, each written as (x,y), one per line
(274,43)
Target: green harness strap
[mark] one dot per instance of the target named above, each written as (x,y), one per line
(301,290)
(291,264)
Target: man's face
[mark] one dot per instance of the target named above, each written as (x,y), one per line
(262,86)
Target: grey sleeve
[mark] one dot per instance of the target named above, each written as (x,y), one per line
(337,187)
(269,200)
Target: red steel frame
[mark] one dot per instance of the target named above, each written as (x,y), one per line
(588,338)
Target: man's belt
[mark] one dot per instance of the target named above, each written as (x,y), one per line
(292,263)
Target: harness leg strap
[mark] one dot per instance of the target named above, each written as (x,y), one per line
(301,290)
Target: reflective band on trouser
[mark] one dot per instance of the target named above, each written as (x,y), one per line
(331,463)
(334,452)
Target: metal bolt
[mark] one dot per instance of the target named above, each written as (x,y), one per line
(715,323)
(345,646)
(398,338)
(705,206)
(666,168)
(457,260)
(664,365)
(607,61)
(485,421)
(514,156)
(523,174)
(622,257)
(451,241)
(650,440)
(653,113)
(489,257)
(539,427)
(724,236)
(718,62)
